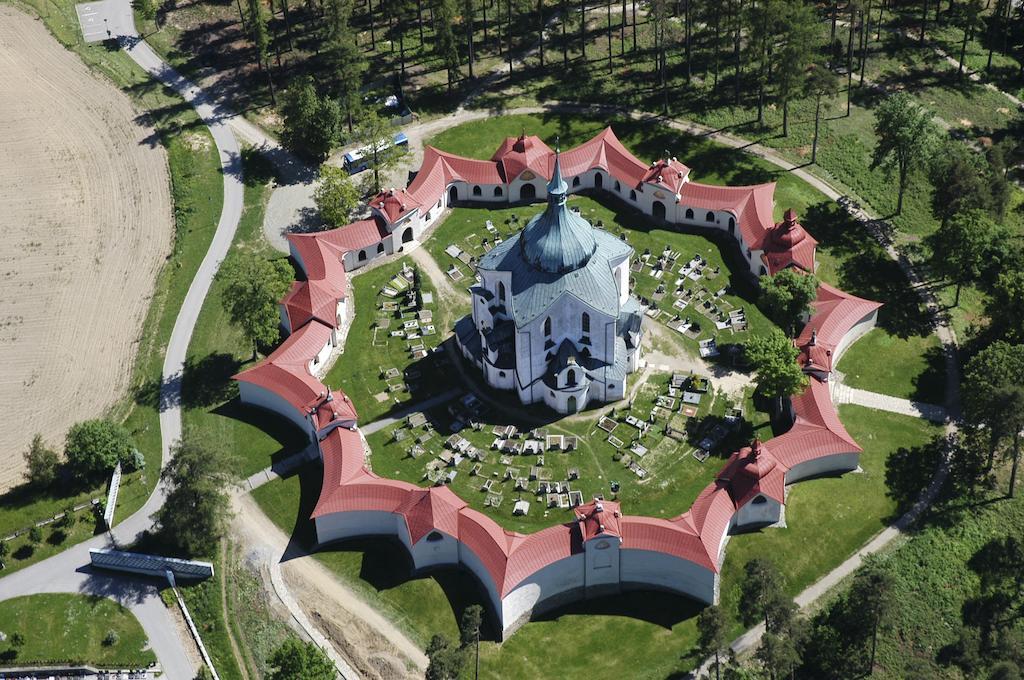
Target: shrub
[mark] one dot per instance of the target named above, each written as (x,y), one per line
(111,638)
(94,447)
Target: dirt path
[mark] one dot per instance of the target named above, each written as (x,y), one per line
(235,651)
(364,636)
(85,224)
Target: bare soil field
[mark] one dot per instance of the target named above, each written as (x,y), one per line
(85,224)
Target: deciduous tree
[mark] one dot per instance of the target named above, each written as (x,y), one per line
(252,287)
(311,123)
(787,296)
(197,509)
(713,635)
(960,247)
(445,659)
(42,463)
(297,660)
(905,134)
(377,135)
(822,82)
(993,395)
(773,357)
(94,447)
(335,196)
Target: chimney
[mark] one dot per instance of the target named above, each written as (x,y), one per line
(814,338)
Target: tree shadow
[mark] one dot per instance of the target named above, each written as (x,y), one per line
(909,471)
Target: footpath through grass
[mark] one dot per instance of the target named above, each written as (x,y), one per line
(197,193)
(59,628)
(639,635)
(218,350)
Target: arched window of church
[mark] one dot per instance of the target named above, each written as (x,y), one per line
(547,326)
(576,181)
(362,255)
(585,322)
(501,292)
(497,191)
(477,191)
(711,216)
(689,213)
(570,377)
(380,248)
(632,195)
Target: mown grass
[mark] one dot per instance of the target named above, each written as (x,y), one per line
(368,354)
(639,635)
(60,628)
(218,350)
(912,369)
(196,190)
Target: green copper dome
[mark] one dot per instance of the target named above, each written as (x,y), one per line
(557,240)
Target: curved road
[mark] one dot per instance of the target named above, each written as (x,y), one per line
(69,571)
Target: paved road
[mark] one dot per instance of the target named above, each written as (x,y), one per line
(69,571)
(844,394)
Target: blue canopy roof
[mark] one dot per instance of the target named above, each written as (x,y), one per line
(557,240)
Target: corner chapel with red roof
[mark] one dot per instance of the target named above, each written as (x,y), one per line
(603,549)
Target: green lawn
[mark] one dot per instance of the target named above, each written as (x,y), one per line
(218,350)
(62,628)
(673,478)
(371,350)
(827,520)
(911,368)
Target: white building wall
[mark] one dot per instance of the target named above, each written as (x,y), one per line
(254,395)
(840,462)
(475,565)
(647,569)
(768,512)
(339,526)
(858,331)
(554,585)
(428,553)
(319,359)
(602,565)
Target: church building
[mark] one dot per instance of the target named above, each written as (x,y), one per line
(552,316)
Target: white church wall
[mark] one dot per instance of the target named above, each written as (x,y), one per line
(840,462)
(648,569)
(339,526)
(768,511)
(550,587)
(260,397)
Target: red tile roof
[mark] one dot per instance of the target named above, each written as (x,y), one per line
(394,204)
(674,537)
(789,244)
(316,299)
(530,553)
(598,518)
(751,471)
(526,152)
(335,406)
(321,260)
(285,372)
(356,236)
(835,313)
(752,206)
(668,173)
(603,151)
(816,432)
(509,558)
(439,169)
(710,516)
(425,510)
